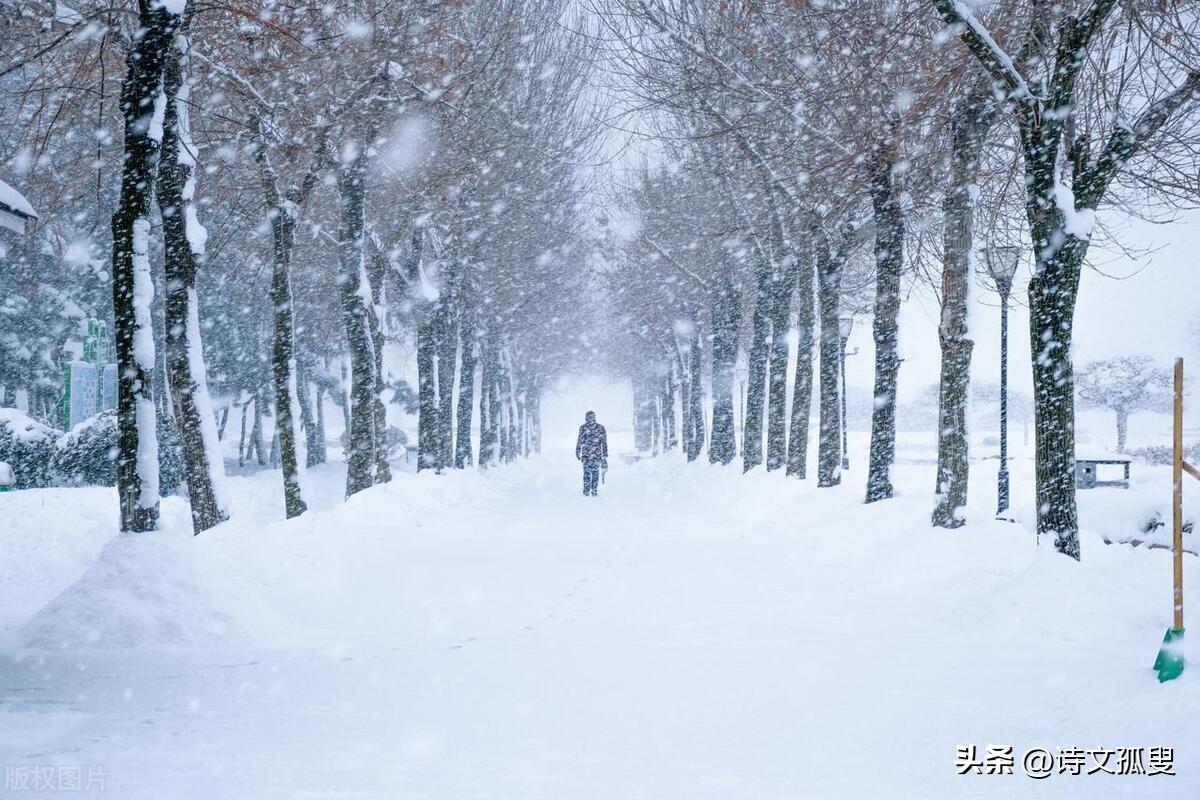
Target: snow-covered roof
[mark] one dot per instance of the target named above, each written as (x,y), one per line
(14,201)
(14,208)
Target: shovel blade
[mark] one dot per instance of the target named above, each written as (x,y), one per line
(1169,664)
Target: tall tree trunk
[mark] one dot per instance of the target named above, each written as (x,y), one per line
(685,397)
(802,383)
(696,393)
(466,393)
(643,416)
(256,432)
(487,383)
(318,452)
(969,129)
(670,435)
(509,390)
(283,360)
(1122,429)
(312,445)
(781,311)
(889,263)
(142,99)
(447,355)
(535,417)
(756,362)
(427,400)
(829,285)
(726,320)
(375,311)
(1052,294)
(495,406)
(242,437)
(356,294)
(183,247)
(282,216)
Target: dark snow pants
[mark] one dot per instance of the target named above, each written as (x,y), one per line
(591,477)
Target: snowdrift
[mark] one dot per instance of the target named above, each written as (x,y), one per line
(144,591)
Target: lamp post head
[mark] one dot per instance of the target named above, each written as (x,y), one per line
(845,325)
(1002,265)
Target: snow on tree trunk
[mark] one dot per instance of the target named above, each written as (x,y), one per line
(781,310)
(375,311)
(696,393)
(427,398)
(756,363)
(466,393)
(447,355)
(670,433)
(685,395)
(283,361)
(802,383)
(889,261)
(356,300)
(183,245)
(829,444)
(969,129)
(319,456)
(1052,294)
(143,104)
(487,430)
(1122,429)
(726,320)
(495,406)
(535,418)
(312,437)
(256,430)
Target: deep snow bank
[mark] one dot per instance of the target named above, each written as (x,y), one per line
(144,591)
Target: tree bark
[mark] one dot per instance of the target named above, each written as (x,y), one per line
(969,129)
(726,319)
(696,393)
(256,432)
(1122,429)
(802,383)
(781,312)
(756,362)
(1052,294)
(829,284)
(376,274)
(318,453)
(889,262)
(356,294)
(142,105)
(242,437)
(466,393)
(427,415)
(447,354)
(283,352)
(183,247)
(670,435)
(487,430)
(312,443)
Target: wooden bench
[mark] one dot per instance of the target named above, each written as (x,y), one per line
(1087,472)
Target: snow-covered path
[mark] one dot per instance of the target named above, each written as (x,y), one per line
(690,633)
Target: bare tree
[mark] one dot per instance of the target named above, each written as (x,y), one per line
(1124,385)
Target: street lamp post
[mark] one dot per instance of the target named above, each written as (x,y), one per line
(845,325)
(1002,266)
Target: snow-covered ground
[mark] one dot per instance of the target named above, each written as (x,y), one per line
(691,633)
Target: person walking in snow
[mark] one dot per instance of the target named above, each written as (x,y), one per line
(592,449)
